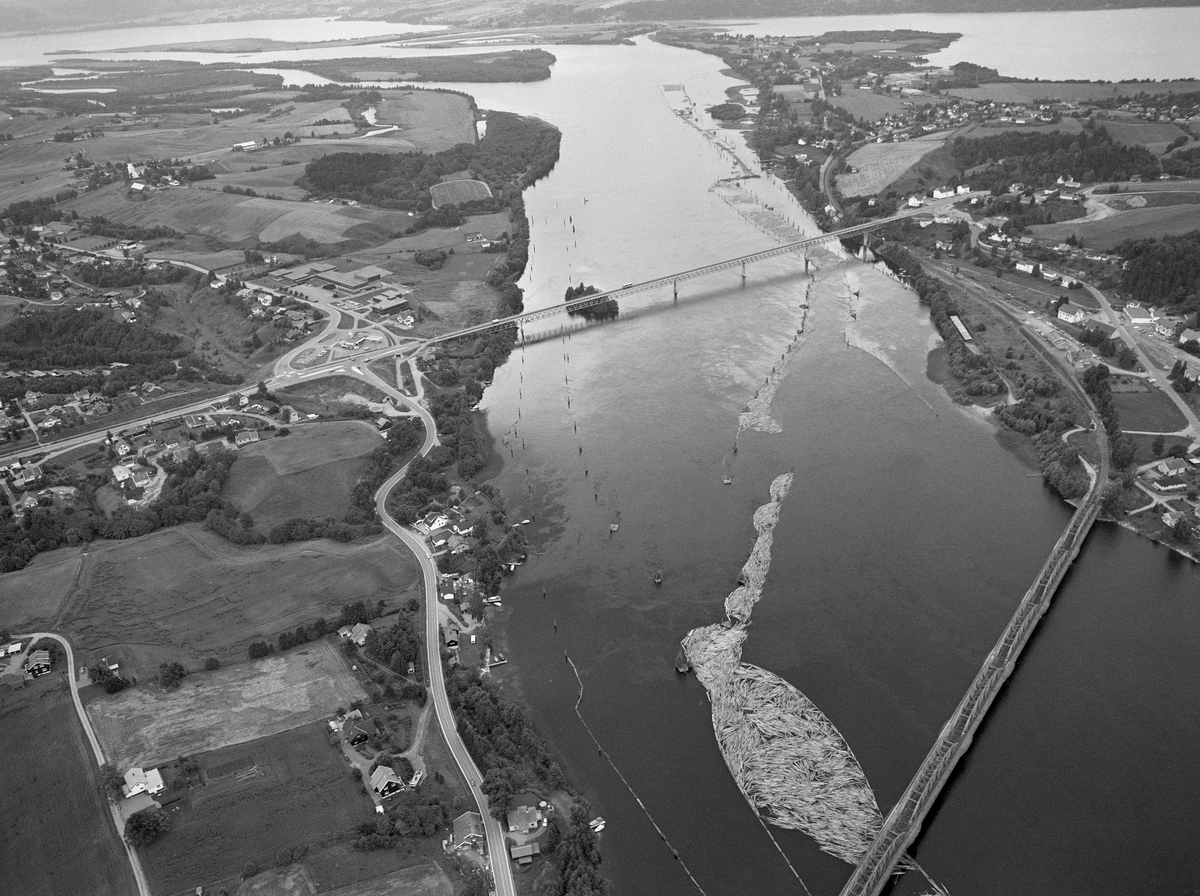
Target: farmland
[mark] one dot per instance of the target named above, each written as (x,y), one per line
(308,474)
(240,221)
(879,164)
(1068,91)
(872,106)
(145,726)
(1138,223)
(189,591)
(263,798)
(32,597)
(432,120)
(1154,135)
(57,834)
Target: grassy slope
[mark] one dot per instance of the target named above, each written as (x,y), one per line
(57,836)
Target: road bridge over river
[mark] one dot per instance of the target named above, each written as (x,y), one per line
(903,823)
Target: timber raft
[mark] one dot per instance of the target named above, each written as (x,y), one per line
(903,823)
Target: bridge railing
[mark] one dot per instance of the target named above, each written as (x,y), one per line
(903,823)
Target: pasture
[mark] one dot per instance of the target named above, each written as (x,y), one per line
(32,597)
(57,834)
(879,164)
(211,710)
(458,192)
(262,800)
(189,591)
(308,474)
(1149,411)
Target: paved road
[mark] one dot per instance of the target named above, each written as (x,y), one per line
(73,678)
(1156,373)
(501,867)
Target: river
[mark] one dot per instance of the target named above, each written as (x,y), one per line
(906,541)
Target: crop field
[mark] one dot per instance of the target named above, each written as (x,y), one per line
(262,798)
(57,835)
(191,591)
(458,192)
(308,474)
(1154,135)
(146,726)
(879,164)
(869,105)
(1138,223)
(239,220)
(432,120)
(278,180)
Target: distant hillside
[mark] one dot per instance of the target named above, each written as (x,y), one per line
(752,9)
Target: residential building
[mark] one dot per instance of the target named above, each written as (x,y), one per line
(245,437)
(468,831)
(356,633)
(38,663)
(1072,313)
(384,781)
(523,819)
(1188,335)
(141,781)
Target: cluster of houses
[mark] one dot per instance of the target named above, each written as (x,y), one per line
(447,530)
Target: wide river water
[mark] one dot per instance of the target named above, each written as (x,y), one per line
(905,544)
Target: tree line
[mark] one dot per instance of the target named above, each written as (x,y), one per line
(1039,159)
(1163,270)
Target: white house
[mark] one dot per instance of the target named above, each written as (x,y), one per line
(915,201)
(140,781)
(356,633)
(1072,313)
(1139,314)
(943,192)
(1025,267)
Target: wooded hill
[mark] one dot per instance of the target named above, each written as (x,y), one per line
(1039,159)
(1163,271)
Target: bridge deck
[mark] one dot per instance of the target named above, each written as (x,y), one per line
(903,823)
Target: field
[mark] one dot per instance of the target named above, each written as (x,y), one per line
(308,474)
(58,837)
(196,596)
(458,192)
(879,164)
(329,396)
(1139,223)
(1031,91)
(1154,135)
(269,795)
(1148,412)
(240,221)
(31,598)
(869,105)
(295,880)
(146,726)
(432,120)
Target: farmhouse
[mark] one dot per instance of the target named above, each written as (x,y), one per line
(141,781)
(468,831)
(356,633)
(38,663)
(384,781)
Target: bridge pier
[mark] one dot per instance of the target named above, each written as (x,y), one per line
(743,273)
(806,264)
(675,289)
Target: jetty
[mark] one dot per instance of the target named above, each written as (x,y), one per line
(903,823)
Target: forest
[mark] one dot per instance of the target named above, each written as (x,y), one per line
(1039,159)
(515,152)
(85,338)
(1163,271)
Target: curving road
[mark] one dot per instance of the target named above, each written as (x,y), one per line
(135,863)
(501,868)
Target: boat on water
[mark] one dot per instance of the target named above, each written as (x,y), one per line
(597,824)
(657,577)
(613,527)
(727,479)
